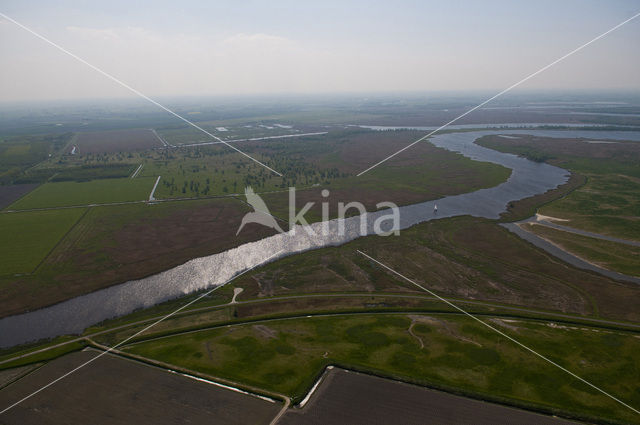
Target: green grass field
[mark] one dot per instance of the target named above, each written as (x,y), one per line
(607,204)
(83,193)
(610,255)
(287,355)
(28,237)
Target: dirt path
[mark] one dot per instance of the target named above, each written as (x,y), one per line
(285,407)
(153,191)
(135,173)
(161,139)
(236,292)
(414,335)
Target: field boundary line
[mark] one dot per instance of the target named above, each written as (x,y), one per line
(67,207)
(6,209)
(133,90)
(502,333)
(480,105)
(163,142)
(111,204)
(73,226)
(187,373)
(139,332)
(34,367)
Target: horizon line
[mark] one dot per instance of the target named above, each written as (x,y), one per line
(627,91)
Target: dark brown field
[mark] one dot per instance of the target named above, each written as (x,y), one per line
(112,390)
(116,141)
(11,193)
(346,397)
(111,245)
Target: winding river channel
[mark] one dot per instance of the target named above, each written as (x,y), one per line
(527,179)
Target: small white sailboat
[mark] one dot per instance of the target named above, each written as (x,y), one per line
(435,208)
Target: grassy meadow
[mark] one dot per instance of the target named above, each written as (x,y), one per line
(444,351)
(63,194)
(609,202)
(27,238)
(609,255)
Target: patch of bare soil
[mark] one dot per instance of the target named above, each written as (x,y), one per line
(118,391)
(346,397)
(442,326)
(11,193)
(265,331)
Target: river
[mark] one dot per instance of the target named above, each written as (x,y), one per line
(527,179)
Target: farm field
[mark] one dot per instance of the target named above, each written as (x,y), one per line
(275,328)
(93,172)
(62,194)
(18,154)
(7,376)
(113,244)
(287,355)
(27,238)
(356,398)
(11,193)
(116,141)
(305,213)
(118,391)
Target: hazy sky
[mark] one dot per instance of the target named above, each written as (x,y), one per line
(245,47)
